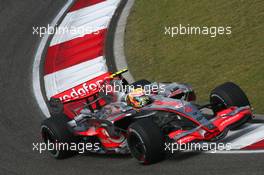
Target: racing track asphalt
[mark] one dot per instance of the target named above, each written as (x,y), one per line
(20,116)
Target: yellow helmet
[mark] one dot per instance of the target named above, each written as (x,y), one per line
(137,98)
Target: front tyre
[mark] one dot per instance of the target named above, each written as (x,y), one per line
(227,95)
(145,141)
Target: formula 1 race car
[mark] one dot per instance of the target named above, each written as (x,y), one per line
(142,120)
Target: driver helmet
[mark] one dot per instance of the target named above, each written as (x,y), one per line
(137,98)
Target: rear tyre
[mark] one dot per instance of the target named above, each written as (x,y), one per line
(55,130)
(227,95)
(145,141)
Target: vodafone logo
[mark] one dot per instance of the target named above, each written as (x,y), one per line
(83,90)
(80,92)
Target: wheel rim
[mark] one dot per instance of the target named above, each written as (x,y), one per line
(137,147)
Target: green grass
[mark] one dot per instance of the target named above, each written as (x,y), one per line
(199,60)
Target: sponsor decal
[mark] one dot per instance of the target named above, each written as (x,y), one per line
(176,104)
(83,90)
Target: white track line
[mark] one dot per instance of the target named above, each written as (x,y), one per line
(249,138)
(36,64)
(119,51)
(235,152)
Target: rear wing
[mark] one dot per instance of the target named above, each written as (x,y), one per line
(87,89)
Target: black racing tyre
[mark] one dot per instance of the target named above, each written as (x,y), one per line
(145,141)
(140,83)
(227,95)
(55,130)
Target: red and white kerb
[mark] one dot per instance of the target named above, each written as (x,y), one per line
(75,60)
